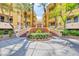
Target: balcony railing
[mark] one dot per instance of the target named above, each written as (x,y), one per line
(72,25)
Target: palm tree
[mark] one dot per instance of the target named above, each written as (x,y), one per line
(32,13)
(3,6)
(19,8)
(10,8)
(45,17)
(27,8)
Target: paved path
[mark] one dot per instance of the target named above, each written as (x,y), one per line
(9,47)
(50,49)
(53,47)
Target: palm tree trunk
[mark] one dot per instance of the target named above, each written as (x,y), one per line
(45,17)
(21,19)
(32,14)
(66,16)
(11,10)
(63,21)
(25,16)
(55,22)
(1,8)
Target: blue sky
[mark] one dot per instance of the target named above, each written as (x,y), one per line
(39,11)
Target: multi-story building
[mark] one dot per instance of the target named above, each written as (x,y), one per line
(17,18)
(50,22)
(72,21)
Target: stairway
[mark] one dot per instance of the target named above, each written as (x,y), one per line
(23,32)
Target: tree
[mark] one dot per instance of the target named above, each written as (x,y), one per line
(68,7)
(63,10)
(45,17)
(55,13)
(3,6)
(32,14)
(27,8)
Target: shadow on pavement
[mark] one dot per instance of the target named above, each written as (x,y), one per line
(21,51)
(10,42)
(75,46)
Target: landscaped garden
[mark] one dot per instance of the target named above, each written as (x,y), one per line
(7,32)
(38,35)
(70,32)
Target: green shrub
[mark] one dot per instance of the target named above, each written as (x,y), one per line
(71,32)
(10,34)
(38,35)
(5,31)
(65,32)
(1,32)
(1,36)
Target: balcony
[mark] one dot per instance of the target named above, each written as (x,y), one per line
(72,25)
(4,25)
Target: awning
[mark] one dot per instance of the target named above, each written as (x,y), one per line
(4,25)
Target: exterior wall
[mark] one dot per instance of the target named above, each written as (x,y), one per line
(72,26)
(15,18)
(4,25)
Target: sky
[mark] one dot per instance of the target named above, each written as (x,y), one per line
(39,11)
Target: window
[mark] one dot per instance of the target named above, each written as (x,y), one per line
(68,20)
(11,20)
(1,18)
(76,19)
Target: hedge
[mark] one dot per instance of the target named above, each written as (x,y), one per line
(70,32)
(38,35)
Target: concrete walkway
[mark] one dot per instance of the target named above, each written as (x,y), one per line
(50,49)
(8,47)
(53,47)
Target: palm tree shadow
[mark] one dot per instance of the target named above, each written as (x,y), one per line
(21,51)
(76,47)
(10,42)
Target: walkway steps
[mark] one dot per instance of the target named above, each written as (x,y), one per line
(23,33)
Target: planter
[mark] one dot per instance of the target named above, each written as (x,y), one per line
(38,36)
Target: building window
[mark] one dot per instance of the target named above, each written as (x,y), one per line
(68,20)
(76,19)
(1,18)
(11,20)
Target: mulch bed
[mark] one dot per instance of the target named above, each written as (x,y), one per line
(39,39)
(72,37)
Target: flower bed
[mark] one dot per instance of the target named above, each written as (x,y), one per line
(38,35)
